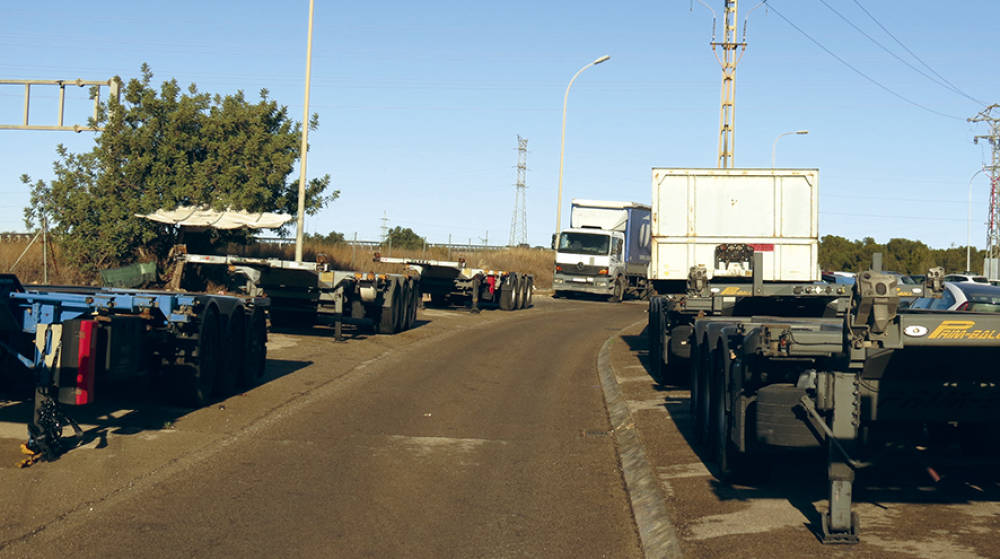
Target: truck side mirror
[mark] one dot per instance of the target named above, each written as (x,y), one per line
(553,245)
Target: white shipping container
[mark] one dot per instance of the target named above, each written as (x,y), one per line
(776,211)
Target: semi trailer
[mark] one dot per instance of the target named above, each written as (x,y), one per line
(452,282)
(605,251)
(70,342)
(776,360)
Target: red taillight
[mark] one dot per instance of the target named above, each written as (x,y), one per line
(558,268)
(963,307)
(603,272)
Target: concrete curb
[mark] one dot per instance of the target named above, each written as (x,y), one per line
(656,533)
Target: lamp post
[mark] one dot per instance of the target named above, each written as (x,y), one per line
(300,223)
(562,145)
(968,227)
(774,145)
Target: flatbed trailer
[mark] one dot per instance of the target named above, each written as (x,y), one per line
(68,341)
(308,293)
(839,368)
(452,282)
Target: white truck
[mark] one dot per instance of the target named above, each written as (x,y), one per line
(605,251)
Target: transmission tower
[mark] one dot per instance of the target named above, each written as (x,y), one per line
(519,221)
(385,226)
(728,61)
(993,230)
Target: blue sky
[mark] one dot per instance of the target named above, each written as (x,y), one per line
(420,103)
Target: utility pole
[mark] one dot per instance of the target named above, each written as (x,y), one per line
(728,61)
(993,228)
(519,221)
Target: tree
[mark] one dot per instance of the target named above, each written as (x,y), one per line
(163,149)
(332,238)
(399,237)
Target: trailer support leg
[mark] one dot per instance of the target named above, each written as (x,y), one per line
(840,524)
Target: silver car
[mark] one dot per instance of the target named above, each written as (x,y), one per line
(962,296)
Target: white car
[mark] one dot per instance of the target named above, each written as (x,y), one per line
(966,278)
(962,296)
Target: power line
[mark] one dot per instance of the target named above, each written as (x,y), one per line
(945,85)
(917,58)
(857,71)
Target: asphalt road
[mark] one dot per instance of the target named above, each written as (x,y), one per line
(470,436)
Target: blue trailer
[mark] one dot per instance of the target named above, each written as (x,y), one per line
(70,341)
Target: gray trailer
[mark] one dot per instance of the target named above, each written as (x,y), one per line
(778,361)
(451,282)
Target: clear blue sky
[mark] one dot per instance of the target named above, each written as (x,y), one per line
(420,103)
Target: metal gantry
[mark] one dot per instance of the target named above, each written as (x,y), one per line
(114,90)
(519,221)
(728,60)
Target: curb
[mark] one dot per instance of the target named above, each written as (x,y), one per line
(657,534)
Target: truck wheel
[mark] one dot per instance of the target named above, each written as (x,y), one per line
(389,317)
(232,354)
(654,339)
(619,290)
(409,305)
(256,350)
(678,355)
(203,364)
(699,390)
(721,448)
(523,297)
(530,292)
(516,292)
(507,293)
(417,300)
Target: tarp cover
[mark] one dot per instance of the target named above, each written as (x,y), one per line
(191,216)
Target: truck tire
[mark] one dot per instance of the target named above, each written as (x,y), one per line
(618,294)
(777,423)
(418,299)
(203,365)
(523,298)
(678,355)
(389,316)
(404,299)
(699,389)
(507,293)
(530,293)
(411,304)
(232,353)
(517,292)
(256,350)
(654,339)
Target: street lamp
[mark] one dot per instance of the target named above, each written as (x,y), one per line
(774,145)
(968,228)
(301,221)
(562,146)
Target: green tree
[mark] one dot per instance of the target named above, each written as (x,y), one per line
(399,237)
(166,148)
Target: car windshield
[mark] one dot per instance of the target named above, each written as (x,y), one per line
(584,243)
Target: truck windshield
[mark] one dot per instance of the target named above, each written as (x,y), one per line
(584,243)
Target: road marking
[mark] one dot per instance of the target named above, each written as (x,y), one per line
(427,445)
(677,471)
(759,515)
(642,405)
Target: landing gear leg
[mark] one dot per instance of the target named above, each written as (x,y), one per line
(839,524)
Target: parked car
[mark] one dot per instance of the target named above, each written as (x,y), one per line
(845,278)
(967,278)
(962,296)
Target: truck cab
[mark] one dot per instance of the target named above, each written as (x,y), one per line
(589,260)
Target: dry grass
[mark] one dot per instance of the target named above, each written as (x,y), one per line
(538,262)
(31,269)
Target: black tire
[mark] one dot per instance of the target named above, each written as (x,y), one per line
(507,293)
(654,333)
(233,353)
(678,355)
(720,447)
(699,390)
(523,298)
(530,293)
(409,304)
(203,365)
(517,292)
(618,295)
(418,298)
(389,317)
(256,350)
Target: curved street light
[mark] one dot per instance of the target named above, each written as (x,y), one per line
(562,145)
(968,227)
(774,145)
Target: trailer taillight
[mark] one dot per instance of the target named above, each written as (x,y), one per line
(79,389)
(558,268)
(603,272)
